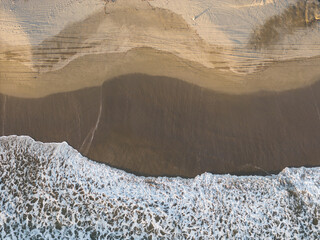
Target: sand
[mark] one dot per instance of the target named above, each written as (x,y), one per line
(164,126)
(138,87)
(21,81)
(139,38)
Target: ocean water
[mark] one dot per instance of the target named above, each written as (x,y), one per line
(50,191)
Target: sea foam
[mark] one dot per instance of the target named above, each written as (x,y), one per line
(50,191)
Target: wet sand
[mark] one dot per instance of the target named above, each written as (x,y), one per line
(153,125)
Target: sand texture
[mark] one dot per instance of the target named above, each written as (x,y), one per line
(166,88)
(165,126)
(120,38)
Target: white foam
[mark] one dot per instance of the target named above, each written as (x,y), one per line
(51,191)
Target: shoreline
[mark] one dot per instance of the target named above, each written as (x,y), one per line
(260,173)
(163,126)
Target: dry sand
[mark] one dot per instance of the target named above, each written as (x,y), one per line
(138,38)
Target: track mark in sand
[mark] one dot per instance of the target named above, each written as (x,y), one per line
(200,14)
(248,165)
(4,114)
(85,147)
(315,103)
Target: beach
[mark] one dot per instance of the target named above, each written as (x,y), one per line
(163,126)
(157,119)
(154,94)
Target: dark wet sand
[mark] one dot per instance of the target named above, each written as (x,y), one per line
(164,126)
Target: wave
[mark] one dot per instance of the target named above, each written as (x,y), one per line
(49,190)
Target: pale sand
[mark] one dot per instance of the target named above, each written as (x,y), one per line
(138,38)
(92,70)
(171,124)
